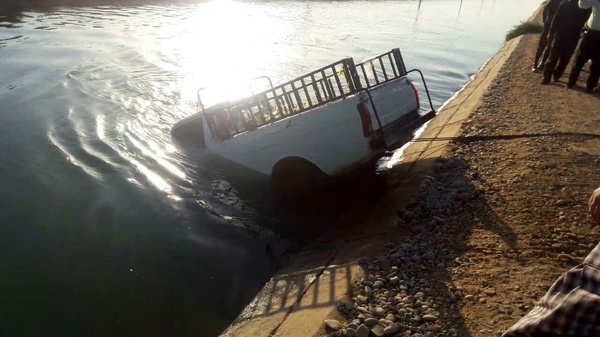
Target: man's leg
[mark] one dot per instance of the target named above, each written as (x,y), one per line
(540,49)
(592,80)
(564,58)
(583,55)
(552,60)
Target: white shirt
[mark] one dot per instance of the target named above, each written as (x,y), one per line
(594,21)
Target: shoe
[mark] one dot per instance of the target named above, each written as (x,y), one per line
(569,86)
(535,69)
(545,81)
(555,79)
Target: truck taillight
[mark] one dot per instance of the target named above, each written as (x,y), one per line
(416,95)
(365,118)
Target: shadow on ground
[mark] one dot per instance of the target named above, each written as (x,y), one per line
(438,214)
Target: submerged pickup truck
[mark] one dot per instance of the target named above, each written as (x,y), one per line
(314,126)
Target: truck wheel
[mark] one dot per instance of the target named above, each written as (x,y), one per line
(296,177)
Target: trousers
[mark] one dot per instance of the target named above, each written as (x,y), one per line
(589,49)
(560,54)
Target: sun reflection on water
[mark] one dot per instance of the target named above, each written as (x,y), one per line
(223,44)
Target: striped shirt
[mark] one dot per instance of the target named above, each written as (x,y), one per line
(570,308)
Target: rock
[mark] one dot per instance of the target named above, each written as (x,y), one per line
(361,299)
(350,332)
(429,255)
(386,264)
(390,317)
(490,292)
(371,321)
(391,329)
(394,280)
(362,331)
(416,258)
(368,291)
(379,311)
(348,305)
(453,298)
(527,253)
(566,257)
(333,324)
(377,330)
(353,326)
(363,261)
(563,203)
(429,318)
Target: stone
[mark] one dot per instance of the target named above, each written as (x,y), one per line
(416,258)
(350,332)
(371,321)
(391,329)
(379,311)
(361,299)
(368,291)
(362,331)
(527,253)
(333,324)
(563,202)
(377,330)
(348,305)
(353,326)
(429,318)
(390,317)
(490,292)
(386,264)
(394,280)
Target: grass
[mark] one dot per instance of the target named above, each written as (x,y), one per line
(526,27)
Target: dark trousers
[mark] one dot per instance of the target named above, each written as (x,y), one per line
(589,49)
(542,44)
(560,54)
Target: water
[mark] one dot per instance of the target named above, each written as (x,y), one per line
(104,229)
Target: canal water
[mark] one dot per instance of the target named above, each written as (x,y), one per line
(104,229)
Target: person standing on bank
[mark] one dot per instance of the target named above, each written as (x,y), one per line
(547,16)
(589,48)
(564,34)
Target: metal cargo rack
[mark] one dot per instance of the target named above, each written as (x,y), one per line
(323,86)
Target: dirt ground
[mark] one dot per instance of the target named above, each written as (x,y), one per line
(532,156)
(533,190)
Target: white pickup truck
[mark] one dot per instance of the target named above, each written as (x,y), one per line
(312,127)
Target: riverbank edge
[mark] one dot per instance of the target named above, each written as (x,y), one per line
(292,303)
